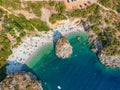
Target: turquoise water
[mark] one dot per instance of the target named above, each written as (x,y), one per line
(81,71)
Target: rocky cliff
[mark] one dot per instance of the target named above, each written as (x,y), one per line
(22,81)
(63,48)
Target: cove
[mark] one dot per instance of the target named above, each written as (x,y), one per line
(81,71)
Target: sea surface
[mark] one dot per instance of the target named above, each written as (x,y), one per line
(81,71)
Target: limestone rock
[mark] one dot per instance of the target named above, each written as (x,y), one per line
(63,48)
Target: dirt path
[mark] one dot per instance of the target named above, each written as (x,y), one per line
(9,12)
(45,15)
(25,13)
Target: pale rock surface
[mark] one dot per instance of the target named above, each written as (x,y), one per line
(21,81)
(63,48)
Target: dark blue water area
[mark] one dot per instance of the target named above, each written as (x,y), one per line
(81,71)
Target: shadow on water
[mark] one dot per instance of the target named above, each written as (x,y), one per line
(2,73)
(85,25)
(57,35)
(11,68)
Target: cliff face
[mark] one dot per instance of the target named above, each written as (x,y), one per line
(23,81)
(63,48)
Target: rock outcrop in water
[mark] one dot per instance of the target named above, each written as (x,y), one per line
(22,81)
(63,48)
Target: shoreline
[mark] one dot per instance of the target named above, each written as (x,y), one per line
(110,61)
(31,45)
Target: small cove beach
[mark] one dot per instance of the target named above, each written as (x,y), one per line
(22,54)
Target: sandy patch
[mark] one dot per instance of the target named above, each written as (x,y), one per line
(78,4)
(27,14)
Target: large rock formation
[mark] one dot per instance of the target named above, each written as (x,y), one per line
(23,81)
(63,48)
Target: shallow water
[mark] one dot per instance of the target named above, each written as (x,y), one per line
(81,71)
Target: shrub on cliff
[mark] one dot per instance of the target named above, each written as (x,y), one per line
(56,17)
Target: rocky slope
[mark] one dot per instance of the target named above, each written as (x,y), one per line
(63,48)
(107,60)
(22,81)
(110,61)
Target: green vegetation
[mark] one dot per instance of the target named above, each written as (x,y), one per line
(109,41)
(51,3)
(56,17)
(118,26)
(17,26)
(16,87)
(60,7)
(17,23)
(114,4)
(4,48)
(95,18)
(13,4)
(29,87)
(84,13)
(21,22)
(35,6)
(95,29)
(1,13)
(76,13)
(40,25)
(107,21)
(102,37)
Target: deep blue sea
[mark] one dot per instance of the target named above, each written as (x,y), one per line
(81,71)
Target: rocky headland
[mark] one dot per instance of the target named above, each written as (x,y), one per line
(107,60)
(21,81)
(110,61)
(63,48)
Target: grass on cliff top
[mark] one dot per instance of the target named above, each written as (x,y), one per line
(15,4)
(84,12)
(40,25)
(56,17)
(35,7)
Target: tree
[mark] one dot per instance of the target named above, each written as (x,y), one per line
(51,3)
(1,13)
(40,25)
(56,17)
(95,29)
(60,7)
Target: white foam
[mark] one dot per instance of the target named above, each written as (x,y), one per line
(59,87)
